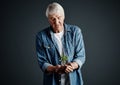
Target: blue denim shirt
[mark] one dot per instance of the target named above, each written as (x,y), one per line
(48,53)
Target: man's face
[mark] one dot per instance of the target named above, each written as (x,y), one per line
(56,21)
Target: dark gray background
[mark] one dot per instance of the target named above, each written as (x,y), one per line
(21,20)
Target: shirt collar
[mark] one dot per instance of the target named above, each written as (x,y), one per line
(66,28)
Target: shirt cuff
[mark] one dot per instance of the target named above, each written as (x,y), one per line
(45,65)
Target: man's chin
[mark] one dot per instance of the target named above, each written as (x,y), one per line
(57,27)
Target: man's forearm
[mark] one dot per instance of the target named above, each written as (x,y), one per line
(51,69)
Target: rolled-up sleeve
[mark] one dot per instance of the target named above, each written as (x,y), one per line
(42,58)
(79,57)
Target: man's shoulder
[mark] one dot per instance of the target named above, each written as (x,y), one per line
(72,27)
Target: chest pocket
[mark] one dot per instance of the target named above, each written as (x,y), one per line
(50,51)
(49,48)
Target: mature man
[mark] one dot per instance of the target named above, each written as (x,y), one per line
(60,49)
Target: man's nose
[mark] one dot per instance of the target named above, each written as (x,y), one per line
(56,21)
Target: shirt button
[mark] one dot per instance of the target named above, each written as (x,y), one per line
(59,80)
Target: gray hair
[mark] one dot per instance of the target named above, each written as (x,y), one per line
(54,8)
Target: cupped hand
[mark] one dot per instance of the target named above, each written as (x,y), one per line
(60,69)
(68,68)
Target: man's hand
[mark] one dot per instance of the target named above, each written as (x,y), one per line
(60,69)
(71,66)
(68,68)
(56,69)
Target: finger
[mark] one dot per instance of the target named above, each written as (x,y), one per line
(68,69)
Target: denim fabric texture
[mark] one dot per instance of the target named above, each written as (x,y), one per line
(48,53)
